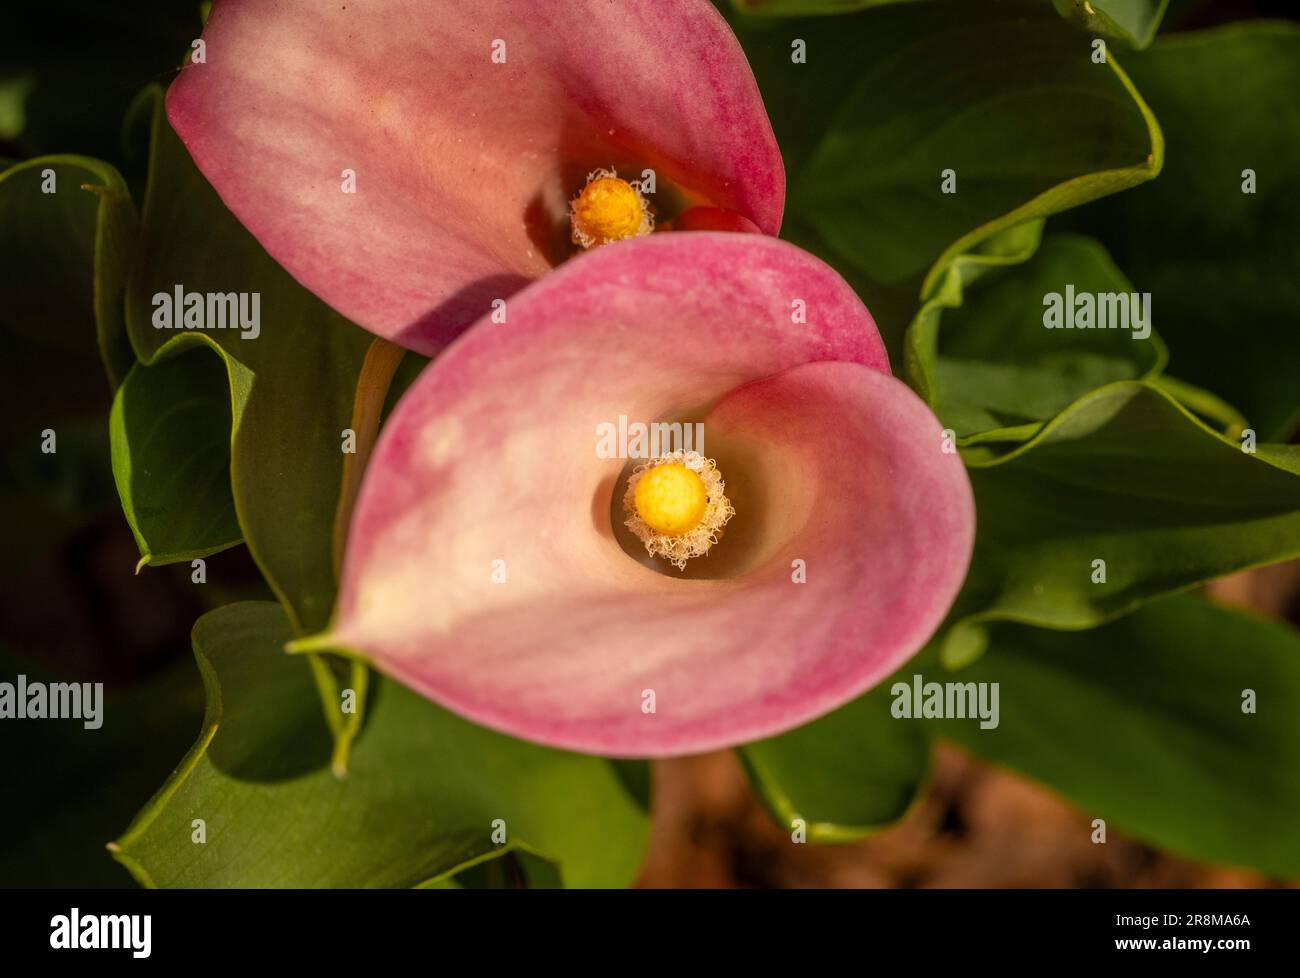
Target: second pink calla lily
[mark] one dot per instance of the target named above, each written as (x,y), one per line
(413,161)
(487,566)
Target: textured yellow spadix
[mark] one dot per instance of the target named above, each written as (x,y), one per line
(608,209)
(671,499)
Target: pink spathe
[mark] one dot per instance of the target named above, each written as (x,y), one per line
(482,569)
(462,130)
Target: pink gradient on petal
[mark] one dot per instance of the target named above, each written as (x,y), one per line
(463,167)
(714,219)
(491,456)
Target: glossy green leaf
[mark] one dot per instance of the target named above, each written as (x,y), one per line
(997,366)
(275,815)
(292,386)
(1010,246)
(1132,22)
(1126,476)
(67,240)
(170,430)
(1221,264)
(1003,98)
(1213,410)
(1142,722)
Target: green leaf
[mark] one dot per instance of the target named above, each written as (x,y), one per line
(1010,246)
(1005,96)
(1221,264)
(997,367)
(1127,476)
(65,255)
(1132,22)
(292,387)
(275,815)
(1141,722)
(845,774)
(1138,721)
(170,430)
(1214,411)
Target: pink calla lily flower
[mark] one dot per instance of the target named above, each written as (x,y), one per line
(487,566)
(411,161)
